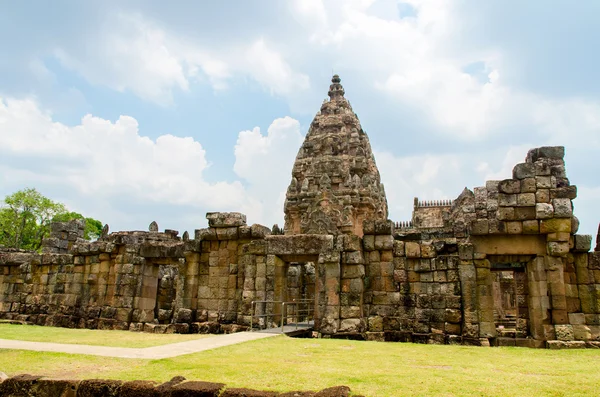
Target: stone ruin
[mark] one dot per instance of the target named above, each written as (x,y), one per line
(501,264)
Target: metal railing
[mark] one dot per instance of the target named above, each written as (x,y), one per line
(303,311)
(266,314)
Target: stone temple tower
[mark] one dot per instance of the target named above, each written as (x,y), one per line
(335,181)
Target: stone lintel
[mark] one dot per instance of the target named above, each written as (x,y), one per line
(299,244)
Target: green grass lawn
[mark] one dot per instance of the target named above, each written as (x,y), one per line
(35,333)
(369,368)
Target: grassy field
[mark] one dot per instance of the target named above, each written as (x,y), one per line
(369,368)
(34,333)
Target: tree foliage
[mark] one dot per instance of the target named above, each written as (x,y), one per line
(93,227)
(25,218)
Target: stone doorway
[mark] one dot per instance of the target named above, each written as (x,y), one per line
(297,284)
(511,299)
(301,282)
(166,292)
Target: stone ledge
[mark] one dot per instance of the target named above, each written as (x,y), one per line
(32,385)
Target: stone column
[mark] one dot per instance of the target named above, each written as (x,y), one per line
(330,318)
(539,303)
(277,276)
(485,297)
(468,286)
(190,291)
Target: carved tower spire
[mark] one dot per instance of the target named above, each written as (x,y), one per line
(335,181)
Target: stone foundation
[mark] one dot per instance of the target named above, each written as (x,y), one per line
(28,385)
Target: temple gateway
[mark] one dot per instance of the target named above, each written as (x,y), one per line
(502,264)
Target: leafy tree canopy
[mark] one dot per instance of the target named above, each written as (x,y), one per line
(25,218)
(93,227)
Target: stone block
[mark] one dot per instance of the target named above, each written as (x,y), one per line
(227,233)
(583,243)
(352,243)
(558,248)
(509,186)
(479,227)
(544,211)
(507,200)
(384,242)
(531,227)
(524,170)
(259,231)
(428,250)
(528,185)
(555,225)
(413,250)
(562,208)
(305,244)
(564,332)
(514,227)
(525,213)
(375,324)
(465,252)
(526,199)
(562,236)
(369,242)
(398,249)
(581,332)
(568,192)
(553,152)
(506,213)
(354,257)
(497,227)
(542,196)
(206,234)
(576,318)
(381,227)
(545,182)
(353,271)
(226,219)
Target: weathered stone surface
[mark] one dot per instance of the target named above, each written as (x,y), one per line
(564,332)
(335,182)
(225,219)
(303,244)
(562,208)
(509,186)
(524,170)
(582,242)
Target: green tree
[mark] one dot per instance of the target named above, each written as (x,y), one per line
(25,219)
(93,227)
(26,215)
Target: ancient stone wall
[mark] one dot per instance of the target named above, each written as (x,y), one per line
(147,281)
(500,264)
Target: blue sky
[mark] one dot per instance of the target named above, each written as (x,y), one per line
(141,110)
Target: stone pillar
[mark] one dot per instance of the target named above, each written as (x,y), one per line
(468,286)
(598,240)
(556,287)
(329,262)
(485,297)
(190,290)
(539,303)
(277,277)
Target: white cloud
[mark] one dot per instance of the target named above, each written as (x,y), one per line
(135,54)
(429,177)
(269,69)
(265,162)
(103,160)
(131,55)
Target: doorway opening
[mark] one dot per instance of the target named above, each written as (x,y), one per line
(510,293)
